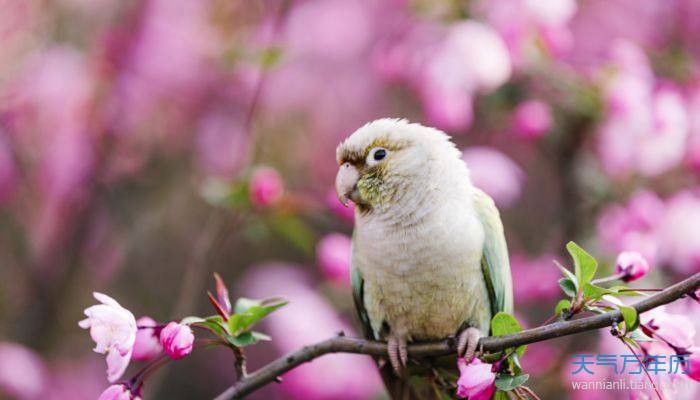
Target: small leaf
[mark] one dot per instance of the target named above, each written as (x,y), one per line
(510,382)
(567,286)
(244,339)
(252,311)
(630,316)
(222,293)
(612,300)
(506,324)
(191,320)
(593,292)
(584,264)
(567,273)
(561,306)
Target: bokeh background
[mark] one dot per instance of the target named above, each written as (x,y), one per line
(146,144)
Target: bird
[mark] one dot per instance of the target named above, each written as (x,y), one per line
(429,258)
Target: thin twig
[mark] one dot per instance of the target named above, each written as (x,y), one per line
(271,371)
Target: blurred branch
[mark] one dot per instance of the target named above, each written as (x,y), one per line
(273,370)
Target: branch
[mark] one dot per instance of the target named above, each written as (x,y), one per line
(271,371)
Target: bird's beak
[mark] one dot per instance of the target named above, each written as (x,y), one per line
(346,183)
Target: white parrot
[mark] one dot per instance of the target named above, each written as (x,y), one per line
(429,257)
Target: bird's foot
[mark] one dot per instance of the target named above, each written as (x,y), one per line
(398,353)
(468,340)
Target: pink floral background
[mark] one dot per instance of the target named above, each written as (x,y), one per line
(146,144)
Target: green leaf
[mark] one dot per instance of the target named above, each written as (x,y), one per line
(500,395)
(630,316)
(584,264)
(561,306)
(593,292)
(567,286)
(215,324)
(510,382)
(191,320)
(249,312)
(567,273)
(247,338)
(506,324)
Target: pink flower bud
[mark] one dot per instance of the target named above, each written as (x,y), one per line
(265,187)
(333,255)
(692,367)
(147,344)
(116,392)
(476,380)
(177,340)
(631,265)
(532,119)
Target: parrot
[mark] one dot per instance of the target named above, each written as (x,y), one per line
(429,258)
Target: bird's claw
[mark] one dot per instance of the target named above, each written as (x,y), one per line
(398,353)
(466,346)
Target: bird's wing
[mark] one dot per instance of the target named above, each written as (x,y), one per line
(494,262)
(358,296)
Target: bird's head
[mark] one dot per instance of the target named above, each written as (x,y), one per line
(387,159)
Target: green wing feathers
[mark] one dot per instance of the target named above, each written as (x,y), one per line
(494,262)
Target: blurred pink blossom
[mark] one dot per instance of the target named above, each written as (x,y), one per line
(495,173)
(266,186)
(116,392)
(534,279)
(471,58)
(540,358)
(113,328)
(177,340)
(693,102)
(633,226)
(333,256)
(22,372)
(646,125)
(147,344)
(679,243)
(476,379)
(692,368)
(222,144)
(532,119)
(676,329)
(529,26)
(353,378)
(631,265)
(337,208)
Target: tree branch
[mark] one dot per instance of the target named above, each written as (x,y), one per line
(271,371)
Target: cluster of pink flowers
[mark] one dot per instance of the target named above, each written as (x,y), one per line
(118,335)
(661,231)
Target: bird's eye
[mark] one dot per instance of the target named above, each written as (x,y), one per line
(376,154)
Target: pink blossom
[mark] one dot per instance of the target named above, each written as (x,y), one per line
(471,58)
(692,368)
(333,255)
(679,243)
(476,380)
(266,186)
(337,208)
(352,377)
(147,344)
(177,340)
(631,265)
(534,279)
(675,329)
(532,119)
(22,372)
(116,392)
(495,173)
(113,328)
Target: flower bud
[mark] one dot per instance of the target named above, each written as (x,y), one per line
(177,340)
(265,187)
(147,344)
(532,119)
(476,380)
(333,255)
(631,265)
